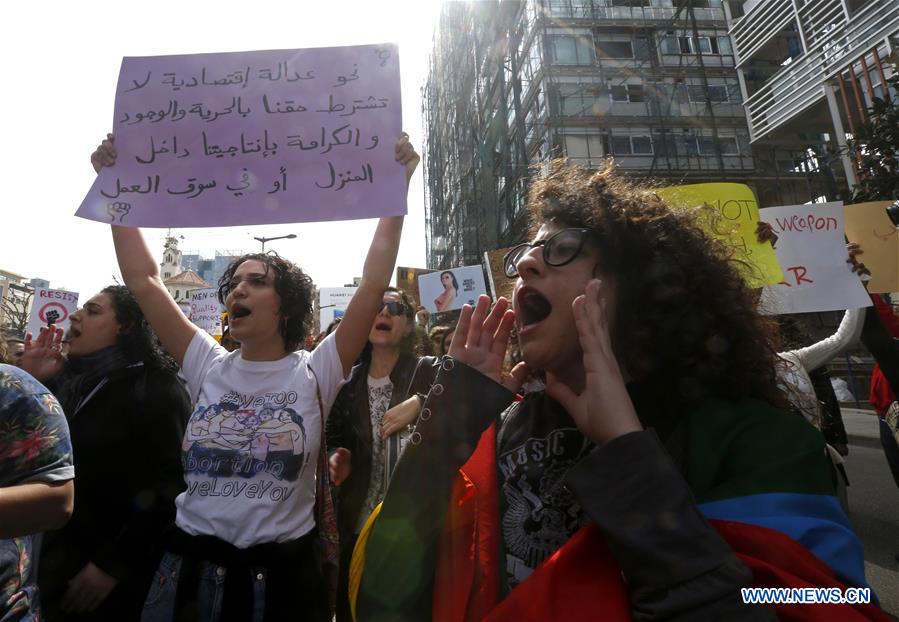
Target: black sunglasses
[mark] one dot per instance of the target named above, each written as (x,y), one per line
(394,308)
(559,249)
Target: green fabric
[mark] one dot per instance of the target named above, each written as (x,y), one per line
(750,447)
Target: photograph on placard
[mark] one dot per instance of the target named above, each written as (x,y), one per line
(447,290)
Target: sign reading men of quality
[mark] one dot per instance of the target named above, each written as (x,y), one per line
(812,251)
(51,306)
(254,138)
(736,222)
(447,290)
(206,310)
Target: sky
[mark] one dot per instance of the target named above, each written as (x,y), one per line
(62,62)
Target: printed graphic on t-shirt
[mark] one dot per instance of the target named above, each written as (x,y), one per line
(245,435)
(540,513)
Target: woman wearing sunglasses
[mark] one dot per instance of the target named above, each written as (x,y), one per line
(363,452)
(655,476)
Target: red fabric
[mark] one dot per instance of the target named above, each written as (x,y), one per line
(886,314)
(468,558)
(881,394)
(582,580)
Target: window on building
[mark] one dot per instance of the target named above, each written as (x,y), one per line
(728,145)
(632,3)
(685,45)
(618,93)
(641,145)
(718,93)
(624,93)
(635,93)
(569,8)
(724,46)
(620,145)
(570,50)
(630,145)
(584,148)
(669,44)
(614,49)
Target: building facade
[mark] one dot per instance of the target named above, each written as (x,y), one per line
(808,72)
(660,85)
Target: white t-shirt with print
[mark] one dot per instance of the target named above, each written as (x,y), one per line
(251,446)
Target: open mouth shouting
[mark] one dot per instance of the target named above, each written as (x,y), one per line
(238,313)
(384,325)
(531,308)
(73,333)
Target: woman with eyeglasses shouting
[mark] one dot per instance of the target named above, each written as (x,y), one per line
(656,475)
(368,425)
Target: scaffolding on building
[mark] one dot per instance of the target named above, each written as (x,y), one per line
(514,83)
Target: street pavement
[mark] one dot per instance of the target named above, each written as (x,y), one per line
(873,505)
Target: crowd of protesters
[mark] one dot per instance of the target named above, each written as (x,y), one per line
(649,444)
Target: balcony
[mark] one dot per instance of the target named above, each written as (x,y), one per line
(832,46)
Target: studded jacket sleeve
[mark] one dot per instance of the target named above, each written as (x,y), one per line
(402,548)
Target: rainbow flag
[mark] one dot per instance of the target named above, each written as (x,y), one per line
(757,473)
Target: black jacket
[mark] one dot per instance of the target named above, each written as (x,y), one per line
(349,426)
(126,442)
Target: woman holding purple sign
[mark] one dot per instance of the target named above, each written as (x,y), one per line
(255,533)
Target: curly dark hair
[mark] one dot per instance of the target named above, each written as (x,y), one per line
(686,322)
(293,286)
(136,339)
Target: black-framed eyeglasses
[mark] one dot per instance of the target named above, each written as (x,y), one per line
(558,249)
(394,308)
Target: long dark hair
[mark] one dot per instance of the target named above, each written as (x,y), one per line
(136,339)
(453,277)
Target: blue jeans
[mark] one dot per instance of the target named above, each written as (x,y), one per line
(160,603)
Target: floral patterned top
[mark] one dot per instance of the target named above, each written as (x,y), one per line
(34,447)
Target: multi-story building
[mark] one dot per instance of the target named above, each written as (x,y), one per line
(808,72)
(211,269)
(514,83)
(660,85)
(206,270)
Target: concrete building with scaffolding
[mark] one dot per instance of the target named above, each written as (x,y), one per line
(513,83)
(663,86)
(809,72)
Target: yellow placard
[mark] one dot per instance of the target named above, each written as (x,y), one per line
(868,225)
(737,226)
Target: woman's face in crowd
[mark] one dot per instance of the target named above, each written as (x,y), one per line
(542,300)
(93,327)
(389,330)
(447,340)
(253,305)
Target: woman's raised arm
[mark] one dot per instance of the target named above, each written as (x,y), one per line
(141,275)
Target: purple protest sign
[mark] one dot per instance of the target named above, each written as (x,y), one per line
(254,138)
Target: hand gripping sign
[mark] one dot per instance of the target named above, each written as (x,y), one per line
(51,306)
(258,137)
